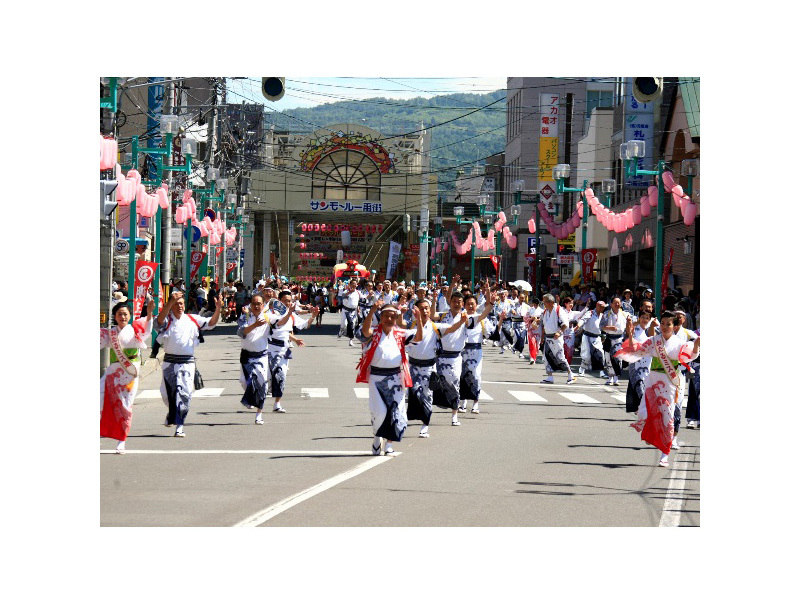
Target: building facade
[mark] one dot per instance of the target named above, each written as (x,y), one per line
(344,177)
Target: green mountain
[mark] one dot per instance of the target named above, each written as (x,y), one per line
(464,130)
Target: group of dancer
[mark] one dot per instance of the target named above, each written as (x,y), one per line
(267,332)
(437,359)
(413,357)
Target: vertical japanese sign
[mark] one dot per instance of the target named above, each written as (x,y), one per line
(639,126)
(394,256)
(548,143)
(588,256)
(144,276)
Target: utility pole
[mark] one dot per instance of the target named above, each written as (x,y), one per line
(107,237)
(106,262)
(164,272)
(424,215)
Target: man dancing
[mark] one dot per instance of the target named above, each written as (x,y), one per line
(554,323)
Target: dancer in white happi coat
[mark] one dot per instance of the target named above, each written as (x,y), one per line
(120,380)
(573,317)
(384,366)
(503,309)
(422,365)
(349,321)
(664,383)
(472,355)
(517,316)
(534,328)
(613,324)
(638,371)
(554,323)
(253,328)
(591,344)
(366,299)
(179,334)
(448,358)
(281,324)
(681,332)
(254,376)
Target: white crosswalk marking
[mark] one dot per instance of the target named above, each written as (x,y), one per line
(619,397)
(524,396)
(206,392)
(361,392)
(484,396)
(580,398)
(314,392)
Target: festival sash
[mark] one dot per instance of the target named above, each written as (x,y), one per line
(363,366)
(129,367)
(661,350)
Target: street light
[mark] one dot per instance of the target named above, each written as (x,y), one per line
(630,152)
(690,168)
(561,173)
(609,187)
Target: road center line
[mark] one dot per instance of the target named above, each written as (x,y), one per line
(295,499)
(673,502)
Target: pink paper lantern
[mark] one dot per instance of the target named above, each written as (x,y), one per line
(108,153)
(304,227)
(689,214)
(652,196)
(645,207)
(636,214)
(628,219)
(316,227)
(669,181)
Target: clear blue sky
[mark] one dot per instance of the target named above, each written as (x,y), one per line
(311,91)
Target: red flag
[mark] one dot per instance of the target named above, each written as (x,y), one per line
(197,259)
(665,276)
(496,263)
(588,257)
(145,271)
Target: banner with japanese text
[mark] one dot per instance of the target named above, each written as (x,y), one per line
(588,257)
(145,271)
(548,144)
(196,259)
(394,256)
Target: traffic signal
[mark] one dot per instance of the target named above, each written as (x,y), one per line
(108,202)
(273,88)
(407,223)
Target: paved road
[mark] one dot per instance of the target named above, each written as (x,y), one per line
(536,455)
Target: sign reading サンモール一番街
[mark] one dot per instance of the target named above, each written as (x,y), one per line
(367,207)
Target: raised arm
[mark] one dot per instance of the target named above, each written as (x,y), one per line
(366,327)
(162,316)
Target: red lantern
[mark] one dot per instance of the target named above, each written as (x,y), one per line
(316,227)
(380,228)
